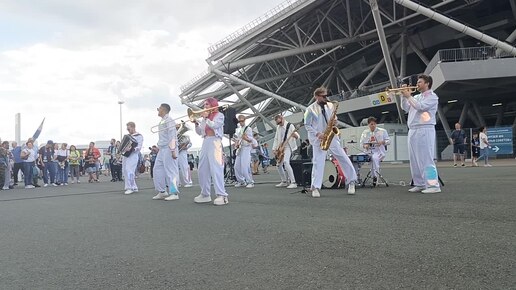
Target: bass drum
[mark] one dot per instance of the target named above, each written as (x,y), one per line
(333,175)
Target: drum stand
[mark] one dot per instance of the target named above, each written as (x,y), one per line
(375,180)
(229,176)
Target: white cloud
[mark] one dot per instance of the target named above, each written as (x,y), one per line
(97,54)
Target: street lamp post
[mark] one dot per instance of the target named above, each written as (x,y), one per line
(120,102)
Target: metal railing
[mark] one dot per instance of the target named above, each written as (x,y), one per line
(465,54)
(269,16)
(193,81)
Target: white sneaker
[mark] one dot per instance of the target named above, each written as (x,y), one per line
(73,182)
(65,183)
(488,165)
(282,184)
(188,185)
(78,181)
(202,199)
(45,185)
(239,184)
(292,185)
(29,186)
(351,187)
(431,190)
(54,184)
(250,185)
(5,188)
(315,193)
(128,191)
(416,189)
(221,200)
(172,197)
(160,195)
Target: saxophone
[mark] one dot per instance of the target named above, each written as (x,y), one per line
(330,130)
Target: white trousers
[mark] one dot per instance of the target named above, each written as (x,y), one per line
(166,170)
(243,165)
(319,159)
(421,147)
(211,166)
(285,166)
(7,179)
(129,171)
(376,157)
(184,168)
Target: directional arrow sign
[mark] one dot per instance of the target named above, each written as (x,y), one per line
(500,139)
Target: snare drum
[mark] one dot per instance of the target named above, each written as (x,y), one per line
(333,175)
(360,158)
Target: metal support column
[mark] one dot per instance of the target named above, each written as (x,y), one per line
(499,116)
(464,113)
(478,112)
(403,61)
(458,26)
(267,93)
(245,101)
(444,122)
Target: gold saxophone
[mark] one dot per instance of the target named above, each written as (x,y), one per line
(330,130)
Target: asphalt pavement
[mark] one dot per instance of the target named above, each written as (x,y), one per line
(92,236)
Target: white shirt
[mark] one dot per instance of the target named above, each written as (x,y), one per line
(421,109)
(280,135)
(483,137)
(315,122)
(376,136)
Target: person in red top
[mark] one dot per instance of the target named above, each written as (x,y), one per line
(91,156)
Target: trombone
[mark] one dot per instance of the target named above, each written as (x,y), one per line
(155,129)
(194,115)
(411,89)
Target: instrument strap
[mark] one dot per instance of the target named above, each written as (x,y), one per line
(324,112)
(286,132)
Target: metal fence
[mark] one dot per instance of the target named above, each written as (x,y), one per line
(261,21)
(466,54)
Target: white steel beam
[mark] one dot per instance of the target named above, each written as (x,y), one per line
(265,92)
(458,26)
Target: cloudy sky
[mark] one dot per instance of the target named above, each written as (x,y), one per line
(71,61)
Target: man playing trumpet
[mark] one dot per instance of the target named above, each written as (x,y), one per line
(421,121)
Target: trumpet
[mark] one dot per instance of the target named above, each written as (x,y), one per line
(194,115)
(411,89)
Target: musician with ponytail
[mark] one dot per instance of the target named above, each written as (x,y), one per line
(211,161)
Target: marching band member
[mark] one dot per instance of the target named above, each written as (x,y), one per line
(316,118)
(285,134)
(184,168)
(166,169)
(244,139)
(129,163)
(375,140)
(421,137)
(211,160)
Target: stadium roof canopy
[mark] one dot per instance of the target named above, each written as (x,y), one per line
(357,48)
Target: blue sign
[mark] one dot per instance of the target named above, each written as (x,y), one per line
(500,139)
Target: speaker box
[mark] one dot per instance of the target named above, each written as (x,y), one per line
(230,121)
(302,171)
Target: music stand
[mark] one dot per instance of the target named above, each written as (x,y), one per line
(230,175)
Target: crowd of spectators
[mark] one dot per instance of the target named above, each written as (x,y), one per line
(57,164)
